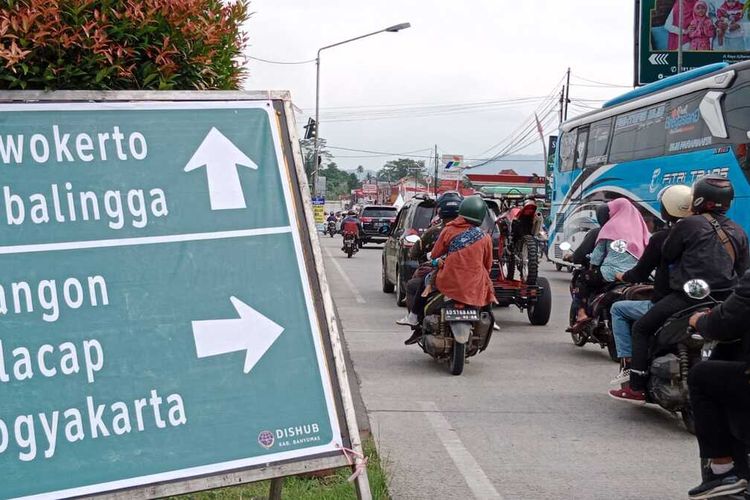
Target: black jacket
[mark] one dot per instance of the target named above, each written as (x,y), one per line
(581,254)
(729,320)
(652,259)
(694,251)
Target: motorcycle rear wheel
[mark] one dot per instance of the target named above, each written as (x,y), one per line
(529,262)
(458,358)
(349,251)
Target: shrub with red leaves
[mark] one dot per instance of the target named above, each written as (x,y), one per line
(122,44)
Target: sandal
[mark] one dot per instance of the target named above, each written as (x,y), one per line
(579,326)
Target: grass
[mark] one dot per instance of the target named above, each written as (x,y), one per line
(333,487)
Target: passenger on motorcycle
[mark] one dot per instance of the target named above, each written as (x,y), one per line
(351,225)
(625,223)
(707,246)
(462,256)
(720,389)
(675,204)
(448,205)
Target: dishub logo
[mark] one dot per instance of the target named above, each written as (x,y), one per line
(266,439)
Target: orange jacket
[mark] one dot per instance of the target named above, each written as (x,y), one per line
(465,276)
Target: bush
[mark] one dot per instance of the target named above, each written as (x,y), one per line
(122,44)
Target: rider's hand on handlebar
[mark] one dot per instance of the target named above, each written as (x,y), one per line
(693,321)
(618,276)
(568,257)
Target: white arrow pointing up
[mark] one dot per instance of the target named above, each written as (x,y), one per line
(221,157)
(252,332)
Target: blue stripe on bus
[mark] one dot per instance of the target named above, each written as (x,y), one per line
(670,81)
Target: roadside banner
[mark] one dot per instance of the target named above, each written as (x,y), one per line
(451,167)
(724,25)
(160,294)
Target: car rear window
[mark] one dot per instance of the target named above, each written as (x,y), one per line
(423,216)
(379,212)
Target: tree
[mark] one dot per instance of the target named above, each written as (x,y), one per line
(394,170)
(122,44)
(338,181)
(308,151)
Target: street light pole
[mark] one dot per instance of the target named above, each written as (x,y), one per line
(391,29)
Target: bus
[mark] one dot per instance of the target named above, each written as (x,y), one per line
(672,131)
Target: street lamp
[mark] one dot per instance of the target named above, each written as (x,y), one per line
(391,29)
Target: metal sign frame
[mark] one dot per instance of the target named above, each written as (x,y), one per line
(321,296)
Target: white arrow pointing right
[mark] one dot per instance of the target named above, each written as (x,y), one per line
(252,332)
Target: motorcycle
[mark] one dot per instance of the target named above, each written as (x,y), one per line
(452,331)
(350,245)
(599,329)
(674,350)
(331,228)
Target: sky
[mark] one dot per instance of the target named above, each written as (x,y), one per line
(464,77)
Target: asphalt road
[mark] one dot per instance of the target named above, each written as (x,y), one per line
(529,418)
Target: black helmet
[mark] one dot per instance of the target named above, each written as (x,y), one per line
(602,214)
(473,209)
(712,193)
(448,205)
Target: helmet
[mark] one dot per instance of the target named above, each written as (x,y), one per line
(602,214)
(675,202)
(473,209)
(712,193)
(331,212)
(448,205)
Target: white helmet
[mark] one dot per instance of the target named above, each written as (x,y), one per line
(676,201)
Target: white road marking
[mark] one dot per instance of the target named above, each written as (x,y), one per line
(143,240)
(475,478)
(357,296)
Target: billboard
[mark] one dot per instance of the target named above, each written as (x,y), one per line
(451,166)
(712,31)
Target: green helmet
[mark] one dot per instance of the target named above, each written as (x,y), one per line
(473,209)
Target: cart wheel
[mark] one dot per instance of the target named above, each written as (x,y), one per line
(539,313)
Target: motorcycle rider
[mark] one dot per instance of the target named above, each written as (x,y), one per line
(720,389)
(448,206)
(463,257)
(625,223)
(351,225)
(675,201)
(706,245)
(331,218)
(581,254)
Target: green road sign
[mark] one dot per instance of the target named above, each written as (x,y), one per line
(726,37)
(158,320)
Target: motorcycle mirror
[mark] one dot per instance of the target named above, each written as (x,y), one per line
(413,238)
(696,289)
(565,246)
(619,246)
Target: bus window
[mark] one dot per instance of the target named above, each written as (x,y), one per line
(596,151)
(583,137)
(567,149)
(737,109)
(686,130)
(639,134)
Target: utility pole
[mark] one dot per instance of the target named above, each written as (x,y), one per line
(436,172)
(567,95)
(562,103)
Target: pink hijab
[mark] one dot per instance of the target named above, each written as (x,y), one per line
(625,223)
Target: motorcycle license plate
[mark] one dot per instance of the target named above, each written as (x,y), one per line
(467,314)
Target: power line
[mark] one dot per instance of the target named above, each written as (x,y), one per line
(605,84)
(269,61)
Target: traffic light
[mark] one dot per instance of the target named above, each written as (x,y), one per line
(311,129)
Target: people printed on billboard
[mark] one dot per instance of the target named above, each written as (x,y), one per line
(706,25)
